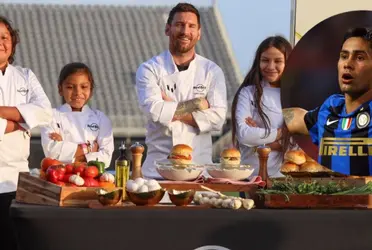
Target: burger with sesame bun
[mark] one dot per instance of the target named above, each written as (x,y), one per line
(180,154)
(230,157)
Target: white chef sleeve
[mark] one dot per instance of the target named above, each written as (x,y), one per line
(212,119)
(3,124)
(247,135)
(150,99)
(105,142)
(38,110)
(63,151)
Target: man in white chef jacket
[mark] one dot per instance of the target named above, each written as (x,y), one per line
(23,106)
(182,93)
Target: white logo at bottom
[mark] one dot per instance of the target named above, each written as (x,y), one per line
(211,248)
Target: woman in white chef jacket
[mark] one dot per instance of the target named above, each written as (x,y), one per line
(256,110)
(77,133)
(23,106)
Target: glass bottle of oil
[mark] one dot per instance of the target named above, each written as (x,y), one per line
(122,170)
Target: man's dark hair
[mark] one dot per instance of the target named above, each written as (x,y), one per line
(362,32)
(183,7)
(14,36)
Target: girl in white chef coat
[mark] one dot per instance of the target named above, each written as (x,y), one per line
(23,106)
(256,110)
(77,133)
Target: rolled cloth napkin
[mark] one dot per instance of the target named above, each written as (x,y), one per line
(255,180)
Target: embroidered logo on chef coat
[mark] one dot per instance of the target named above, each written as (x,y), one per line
(22,91)
(169,88)
(93,126)
(199,88)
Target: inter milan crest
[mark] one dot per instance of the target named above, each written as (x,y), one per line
(346,123)
(363,120)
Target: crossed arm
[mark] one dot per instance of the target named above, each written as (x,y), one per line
(275,145)
(295,120)
(207,114)
(184,109)
(13,118)
(36,112)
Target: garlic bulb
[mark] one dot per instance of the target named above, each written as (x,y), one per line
(228,202)
(76,179)
(248,204)
(35,172)
(107,177)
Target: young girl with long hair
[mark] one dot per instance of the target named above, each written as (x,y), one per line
(256,110)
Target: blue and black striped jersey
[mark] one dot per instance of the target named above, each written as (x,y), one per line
(344,140)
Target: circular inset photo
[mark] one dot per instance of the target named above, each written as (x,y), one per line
(327,93)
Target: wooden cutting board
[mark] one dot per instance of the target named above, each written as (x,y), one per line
(318,201)
(33,190)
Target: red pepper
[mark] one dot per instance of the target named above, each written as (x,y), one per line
(90,182)
(55,173)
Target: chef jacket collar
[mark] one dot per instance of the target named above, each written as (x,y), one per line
(67,108)
(171,65)
(267,84)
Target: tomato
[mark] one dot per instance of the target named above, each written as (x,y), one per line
(90,182)
(79,168)
(47,162)
(69,169)
(91,171)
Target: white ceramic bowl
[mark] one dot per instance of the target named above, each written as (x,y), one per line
(235,174)
(169,172)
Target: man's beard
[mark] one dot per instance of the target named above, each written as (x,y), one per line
(179,48)
(182,49)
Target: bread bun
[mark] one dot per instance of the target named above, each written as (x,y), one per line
(230,152)
(230,157)
(295,156)
(289,167)
(180,154)
(311,167)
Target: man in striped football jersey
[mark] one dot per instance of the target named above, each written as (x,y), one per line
(341,126)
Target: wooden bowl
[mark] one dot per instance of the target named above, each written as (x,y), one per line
(110,198)
(181,199)
(146,199)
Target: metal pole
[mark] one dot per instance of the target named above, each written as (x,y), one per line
(293,22)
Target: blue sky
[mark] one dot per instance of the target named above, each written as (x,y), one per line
(247,22)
